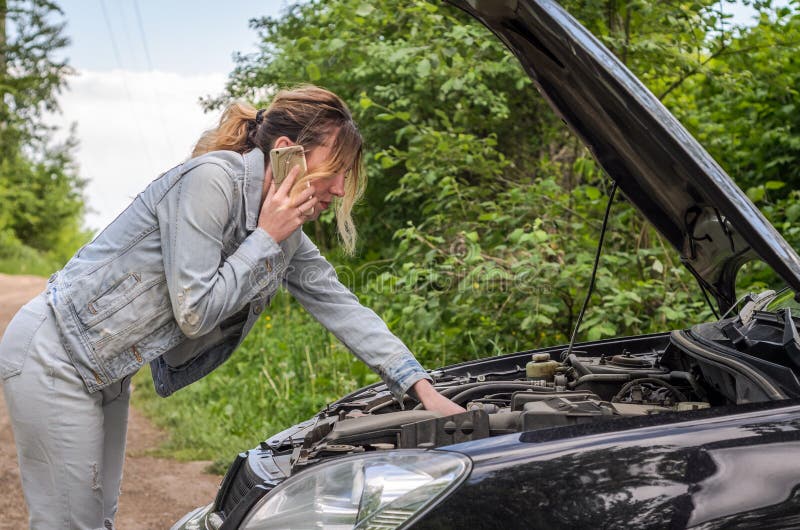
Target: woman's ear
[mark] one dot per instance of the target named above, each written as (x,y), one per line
(282,141)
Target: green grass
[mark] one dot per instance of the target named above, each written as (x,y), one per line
(287,369)
(16,258)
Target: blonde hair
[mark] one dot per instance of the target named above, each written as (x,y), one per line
(308,115)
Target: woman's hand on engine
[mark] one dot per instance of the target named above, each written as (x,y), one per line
(281,213)
(433,400)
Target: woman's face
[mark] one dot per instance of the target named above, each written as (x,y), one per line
(329,187)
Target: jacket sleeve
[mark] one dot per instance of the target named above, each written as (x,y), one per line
(313,282)
(204,287)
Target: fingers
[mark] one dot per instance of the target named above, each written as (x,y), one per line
(304,195)
(308,208)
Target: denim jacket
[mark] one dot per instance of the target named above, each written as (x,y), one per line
(181,276)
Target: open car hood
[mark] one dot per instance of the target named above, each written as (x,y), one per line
(656,163)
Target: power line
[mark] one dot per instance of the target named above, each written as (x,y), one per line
(118,57)
(142,35)
(150,67)
(113,39)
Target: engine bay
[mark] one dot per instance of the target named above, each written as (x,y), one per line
(601,381)
(543,393)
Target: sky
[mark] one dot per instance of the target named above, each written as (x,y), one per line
(141,67)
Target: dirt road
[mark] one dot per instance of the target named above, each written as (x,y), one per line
(155,492)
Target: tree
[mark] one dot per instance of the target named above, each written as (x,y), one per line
(30,76)
(41,202)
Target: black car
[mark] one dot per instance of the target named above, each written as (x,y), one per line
(693,428)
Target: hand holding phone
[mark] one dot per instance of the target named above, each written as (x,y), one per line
(282,210)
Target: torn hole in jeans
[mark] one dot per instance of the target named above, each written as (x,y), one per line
(95,477)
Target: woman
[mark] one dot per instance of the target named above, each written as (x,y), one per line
(178,280)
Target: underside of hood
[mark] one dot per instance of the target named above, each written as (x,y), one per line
(657,164)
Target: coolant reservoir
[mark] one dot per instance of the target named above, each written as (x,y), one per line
(541,367)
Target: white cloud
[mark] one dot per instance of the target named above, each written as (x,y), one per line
(132,126)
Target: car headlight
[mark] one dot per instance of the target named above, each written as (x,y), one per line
(372,490)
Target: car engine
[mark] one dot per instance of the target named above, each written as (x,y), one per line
(543,393)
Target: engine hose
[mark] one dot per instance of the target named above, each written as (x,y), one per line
(462,392)
(579,367)
(631,384)
(466,395)
(452,391)
(600,378)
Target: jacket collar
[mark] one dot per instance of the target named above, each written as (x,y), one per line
(253,184)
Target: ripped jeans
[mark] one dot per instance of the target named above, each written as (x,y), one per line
(70,443)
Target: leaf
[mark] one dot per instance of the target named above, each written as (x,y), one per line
(793,212)
(774,184)
(313,72)
(364,102)
(444,117)
(365,9)
(592,192)
(336,44)
(424,68)
(756,193)
(657,266)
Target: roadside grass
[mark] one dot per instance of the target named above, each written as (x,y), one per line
(287,369)
(16,258)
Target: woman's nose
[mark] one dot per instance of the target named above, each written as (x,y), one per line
(337,185)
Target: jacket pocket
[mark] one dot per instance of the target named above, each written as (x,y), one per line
(99,310)
(107,297)
(16,342)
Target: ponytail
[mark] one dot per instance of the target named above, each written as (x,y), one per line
(232,132)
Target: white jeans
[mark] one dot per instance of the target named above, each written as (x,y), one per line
(70,444)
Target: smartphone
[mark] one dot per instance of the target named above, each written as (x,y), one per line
(283,159)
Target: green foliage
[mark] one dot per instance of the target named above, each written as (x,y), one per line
(31,76)
(41,201)
(17,258)
(512,273)
(287,368)
(745,109)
